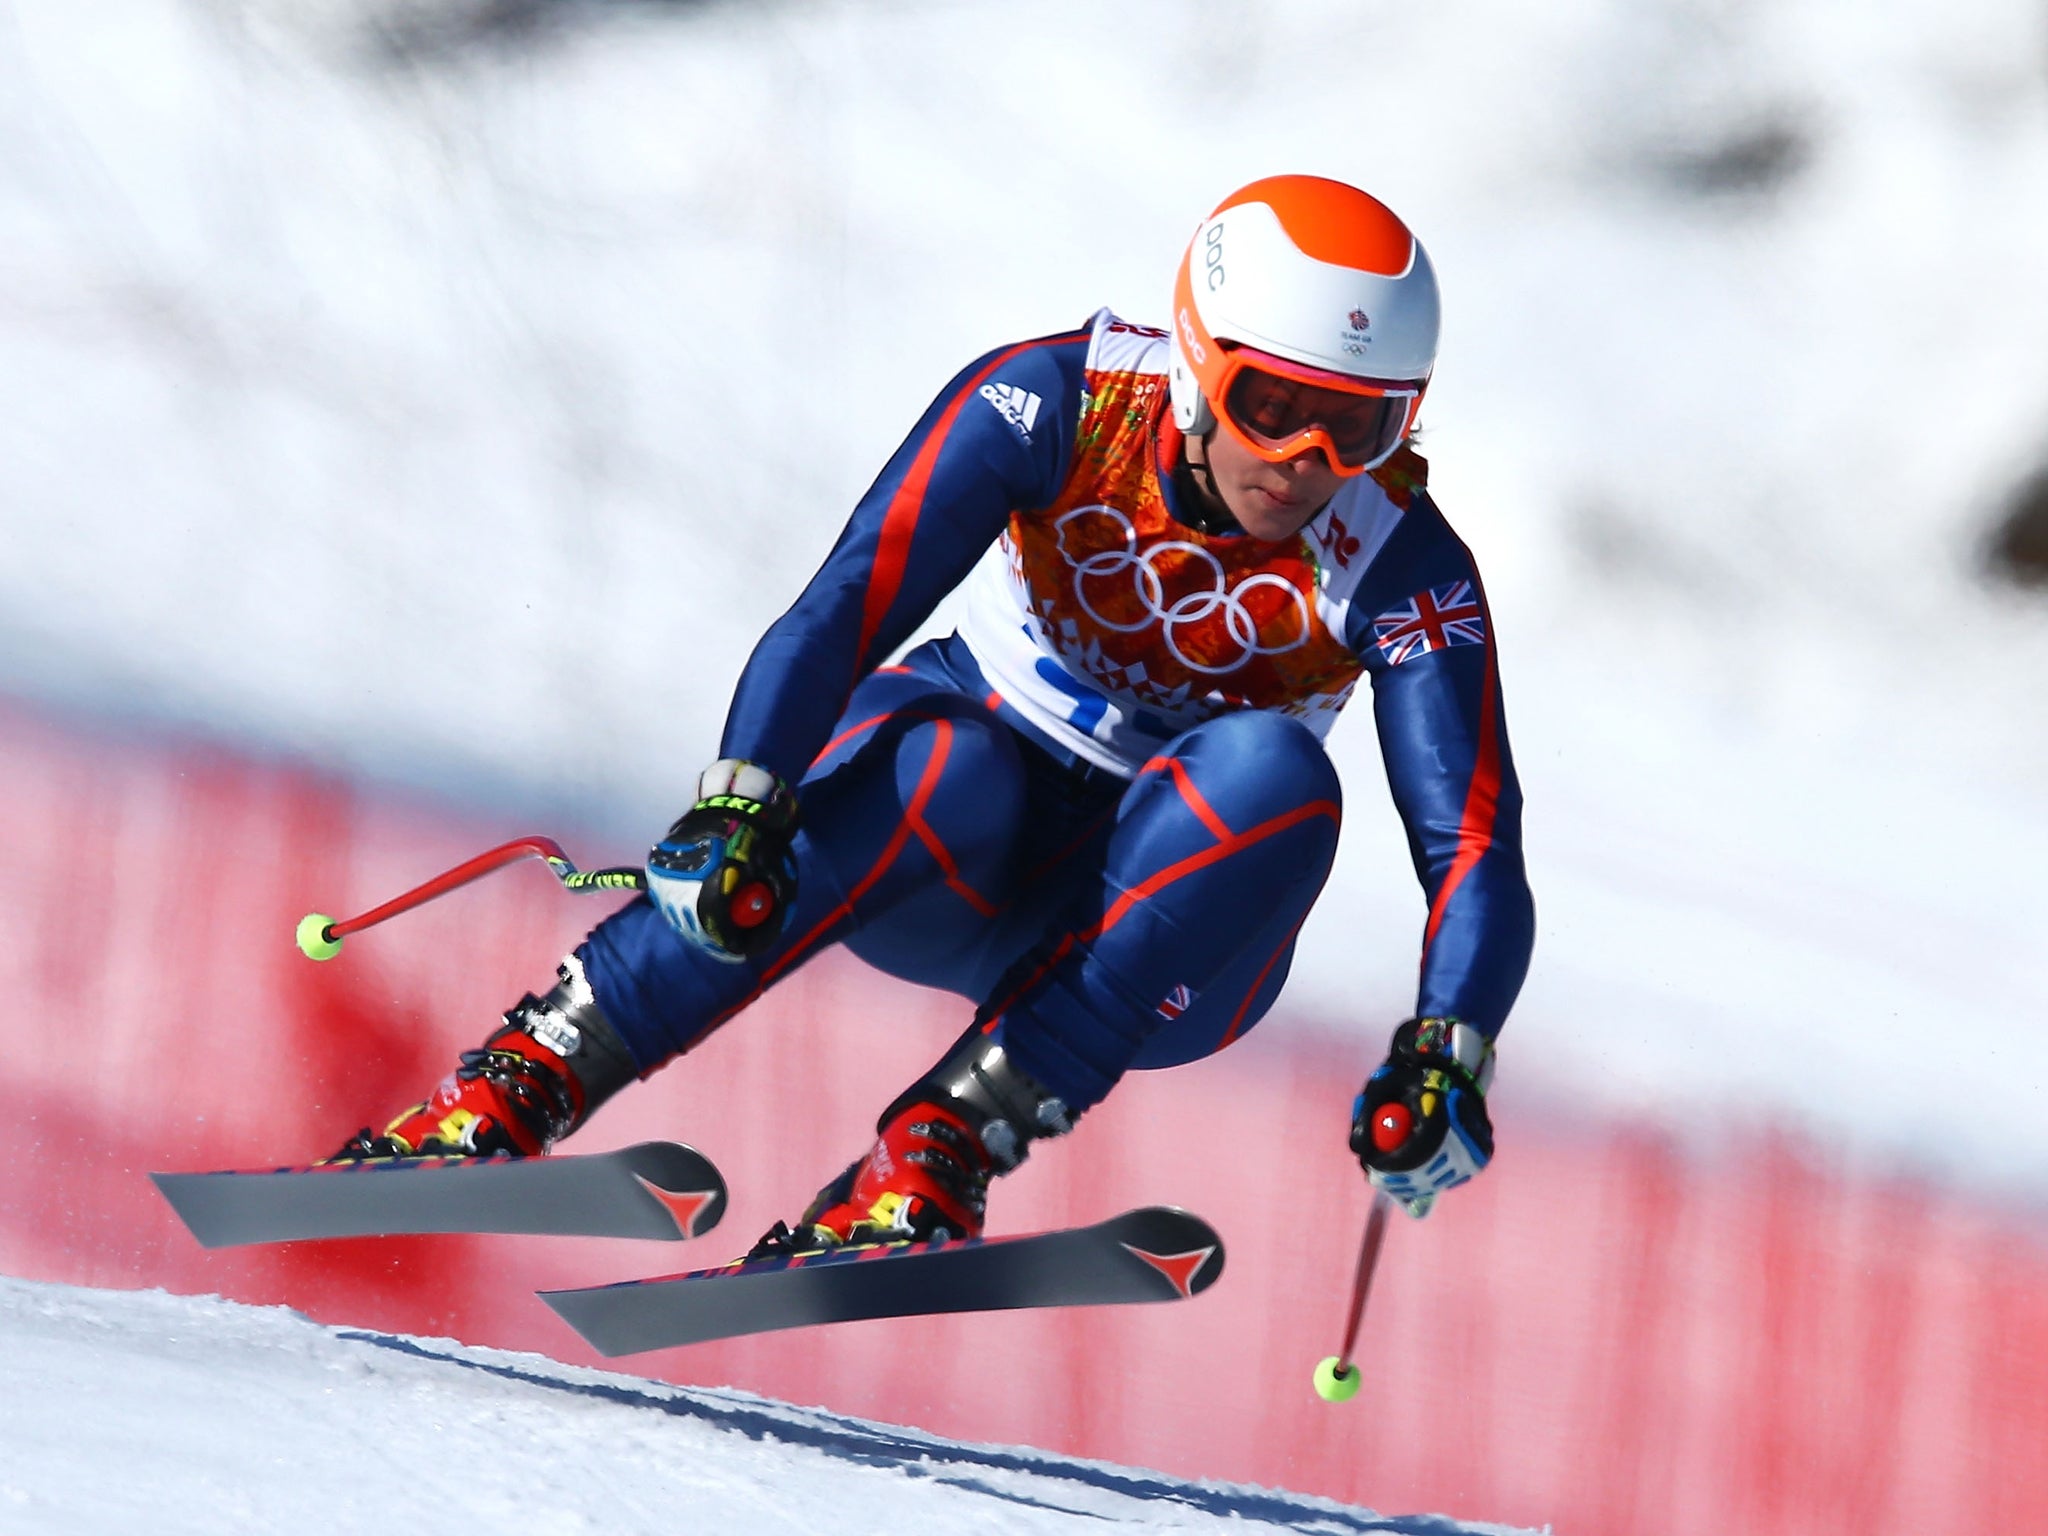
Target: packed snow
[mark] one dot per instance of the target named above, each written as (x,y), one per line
(165,1415)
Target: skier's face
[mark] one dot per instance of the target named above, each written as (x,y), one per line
(1271,502)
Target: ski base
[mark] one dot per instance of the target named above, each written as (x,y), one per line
(657,1189)
(1156,1253)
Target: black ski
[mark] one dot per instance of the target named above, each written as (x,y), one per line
(657,1189)
(1153,1254)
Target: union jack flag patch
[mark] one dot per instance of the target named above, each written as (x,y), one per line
(1430,621)
(1176,1002)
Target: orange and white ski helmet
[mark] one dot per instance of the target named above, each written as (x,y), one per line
(1305,314)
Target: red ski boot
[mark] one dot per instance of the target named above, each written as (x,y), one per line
(515,1095)
(968,1120)
(926,1176)
(536,1079)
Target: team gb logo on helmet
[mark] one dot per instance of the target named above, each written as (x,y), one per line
(1177,595)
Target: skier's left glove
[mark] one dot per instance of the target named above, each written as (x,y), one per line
(1419,1126)
(724,876)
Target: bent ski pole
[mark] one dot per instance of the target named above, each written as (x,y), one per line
(1337,1377)
(320,936)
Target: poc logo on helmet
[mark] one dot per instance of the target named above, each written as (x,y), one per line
(1196,350)
(1212,256)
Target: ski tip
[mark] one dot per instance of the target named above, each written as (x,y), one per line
(1179,1246)
(694,1211)
(682,1181)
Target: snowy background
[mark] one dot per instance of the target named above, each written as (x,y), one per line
(448,394)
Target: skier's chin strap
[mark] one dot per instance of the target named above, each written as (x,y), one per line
(1007,1107)
(1200,499)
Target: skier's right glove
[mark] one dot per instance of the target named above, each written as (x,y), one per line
(1419,1126)
(724,876)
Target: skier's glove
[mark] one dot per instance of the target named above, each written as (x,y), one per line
(724,875)
(1419,1125)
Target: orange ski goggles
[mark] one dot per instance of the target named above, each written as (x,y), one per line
(1279,409)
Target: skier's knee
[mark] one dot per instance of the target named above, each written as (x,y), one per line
(1253,765)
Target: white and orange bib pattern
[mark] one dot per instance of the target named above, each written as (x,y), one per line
(1113,627)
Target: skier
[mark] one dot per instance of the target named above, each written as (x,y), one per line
(1101,809)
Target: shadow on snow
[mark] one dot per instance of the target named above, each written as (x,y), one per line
(919,1455)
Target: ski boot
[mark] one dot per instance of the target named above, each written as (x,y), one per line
(538,1077)
(970,1119)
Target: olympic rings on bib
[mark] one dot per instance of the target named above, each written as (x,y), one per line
(1191,615)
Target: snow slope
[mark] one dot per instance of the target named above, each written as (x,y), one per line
(453,408)
(159,1415)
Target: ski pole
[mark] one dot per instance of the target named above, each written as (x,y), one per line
(1337,1377)
(320,936)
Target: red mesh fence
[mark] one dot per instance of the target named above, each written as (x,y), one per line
(1604,1333)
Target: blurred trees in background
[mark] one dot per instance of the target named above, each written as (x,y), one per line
(2018,550)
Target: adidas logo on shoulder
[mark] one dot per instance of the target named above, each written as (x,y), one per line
(1015,404)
